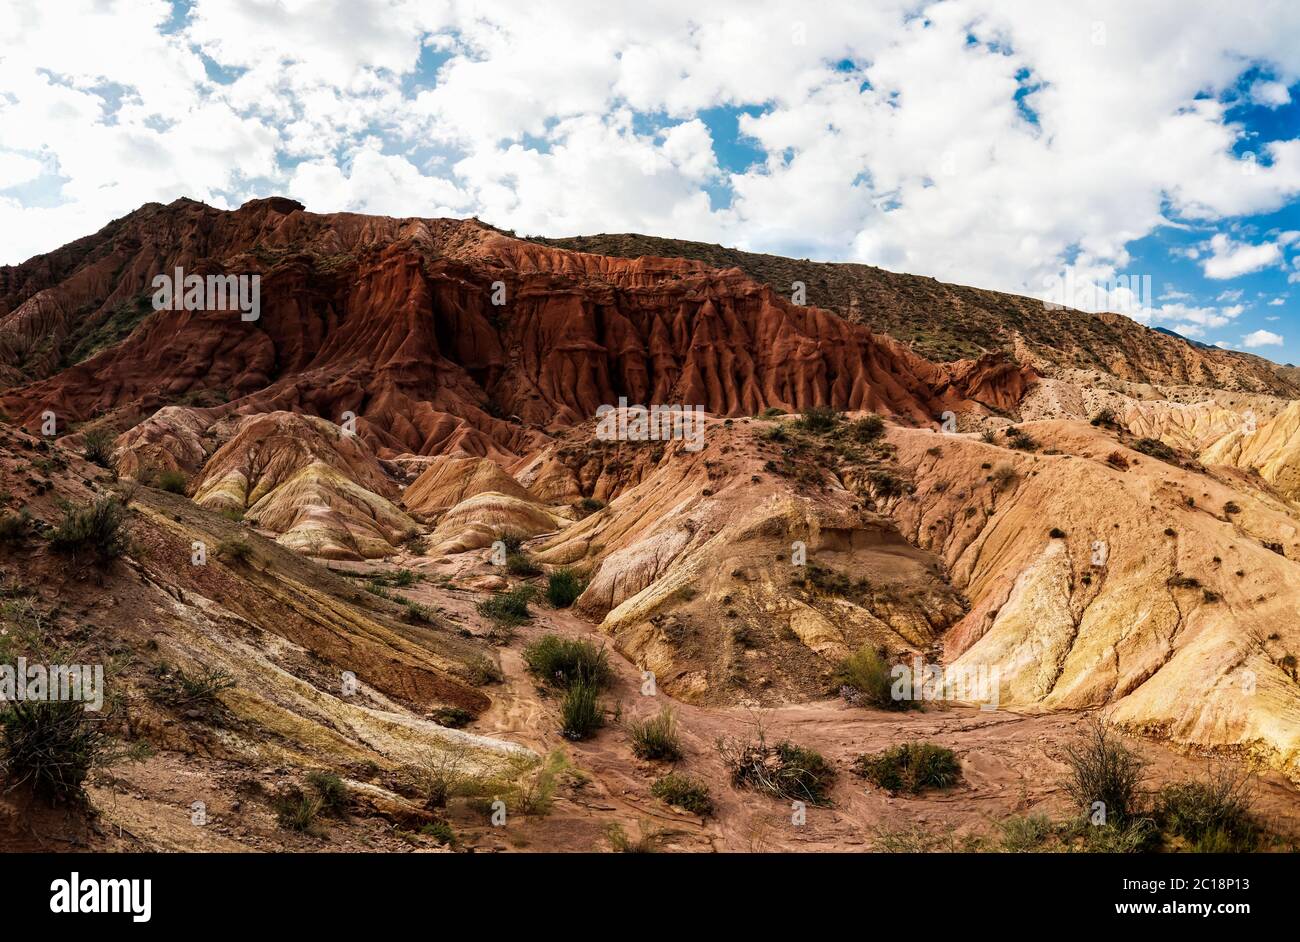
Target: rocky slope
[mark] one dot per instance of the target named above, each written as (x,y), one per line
(949,322)
(385,418)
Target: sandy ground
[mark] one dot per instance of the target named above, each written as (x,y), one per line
(1011,765)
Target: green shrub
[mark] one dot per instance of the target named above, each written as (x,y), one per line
(172,481)
(400,578)
(868,429)
(1003,476)
(1025,835)
(656,738)
(682,791)
(199,689)
(1130,837)
(886,484)
(522,565)
(420,614)
(1155,448)
(330,789)
(581,712)
(97,446)
(1211,815)
(864,679)
(563,588)
(481,670)
(15,528)
(235,550)
(563,662)
(99,527)
(818,419)
(50,746)
(1019,439)
(1102,770)
(830,581)
(440,831)
(297,811)
(647,843)
(783,770)
(910,767)
(508,608)
(452,717)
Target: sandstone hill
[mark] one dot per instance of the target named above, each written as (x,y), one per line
(389,471)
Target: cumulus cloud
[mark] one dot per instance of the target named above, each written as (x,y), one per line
(999,143)
(1269,94)
(1230,259)
(1262,338)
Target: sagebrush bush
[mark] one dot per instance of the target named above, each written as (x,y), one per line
(656,738)
(1103,770)
(199,689)
(97,446)
(330,789)
(783,770)
(581,712)
(682,791)
(508,608)
(1155,448)
(1025,835)
(1003,476)
(563,588)
(819,419)
(14,528)
(864,679)
(522,565)
(295,810)
(563,662)
(910,767)
(50,746)
(172,481)
(235,550)
(99,527)
(868,429)
(1213,814)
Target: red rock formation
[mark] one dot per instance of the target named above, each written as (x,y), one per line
(393,320)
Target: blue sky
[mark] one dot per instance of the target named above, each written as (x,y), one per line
(996,143)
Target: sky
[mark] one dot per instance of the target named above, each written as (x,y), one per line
(1143,158)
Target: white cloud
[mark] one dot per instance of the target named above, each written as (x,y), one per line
(16,169)
(1269,94)
(1231,295)
(585,117)
(1262,338)
(1200,316)
(1277,302)
(1229,259)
